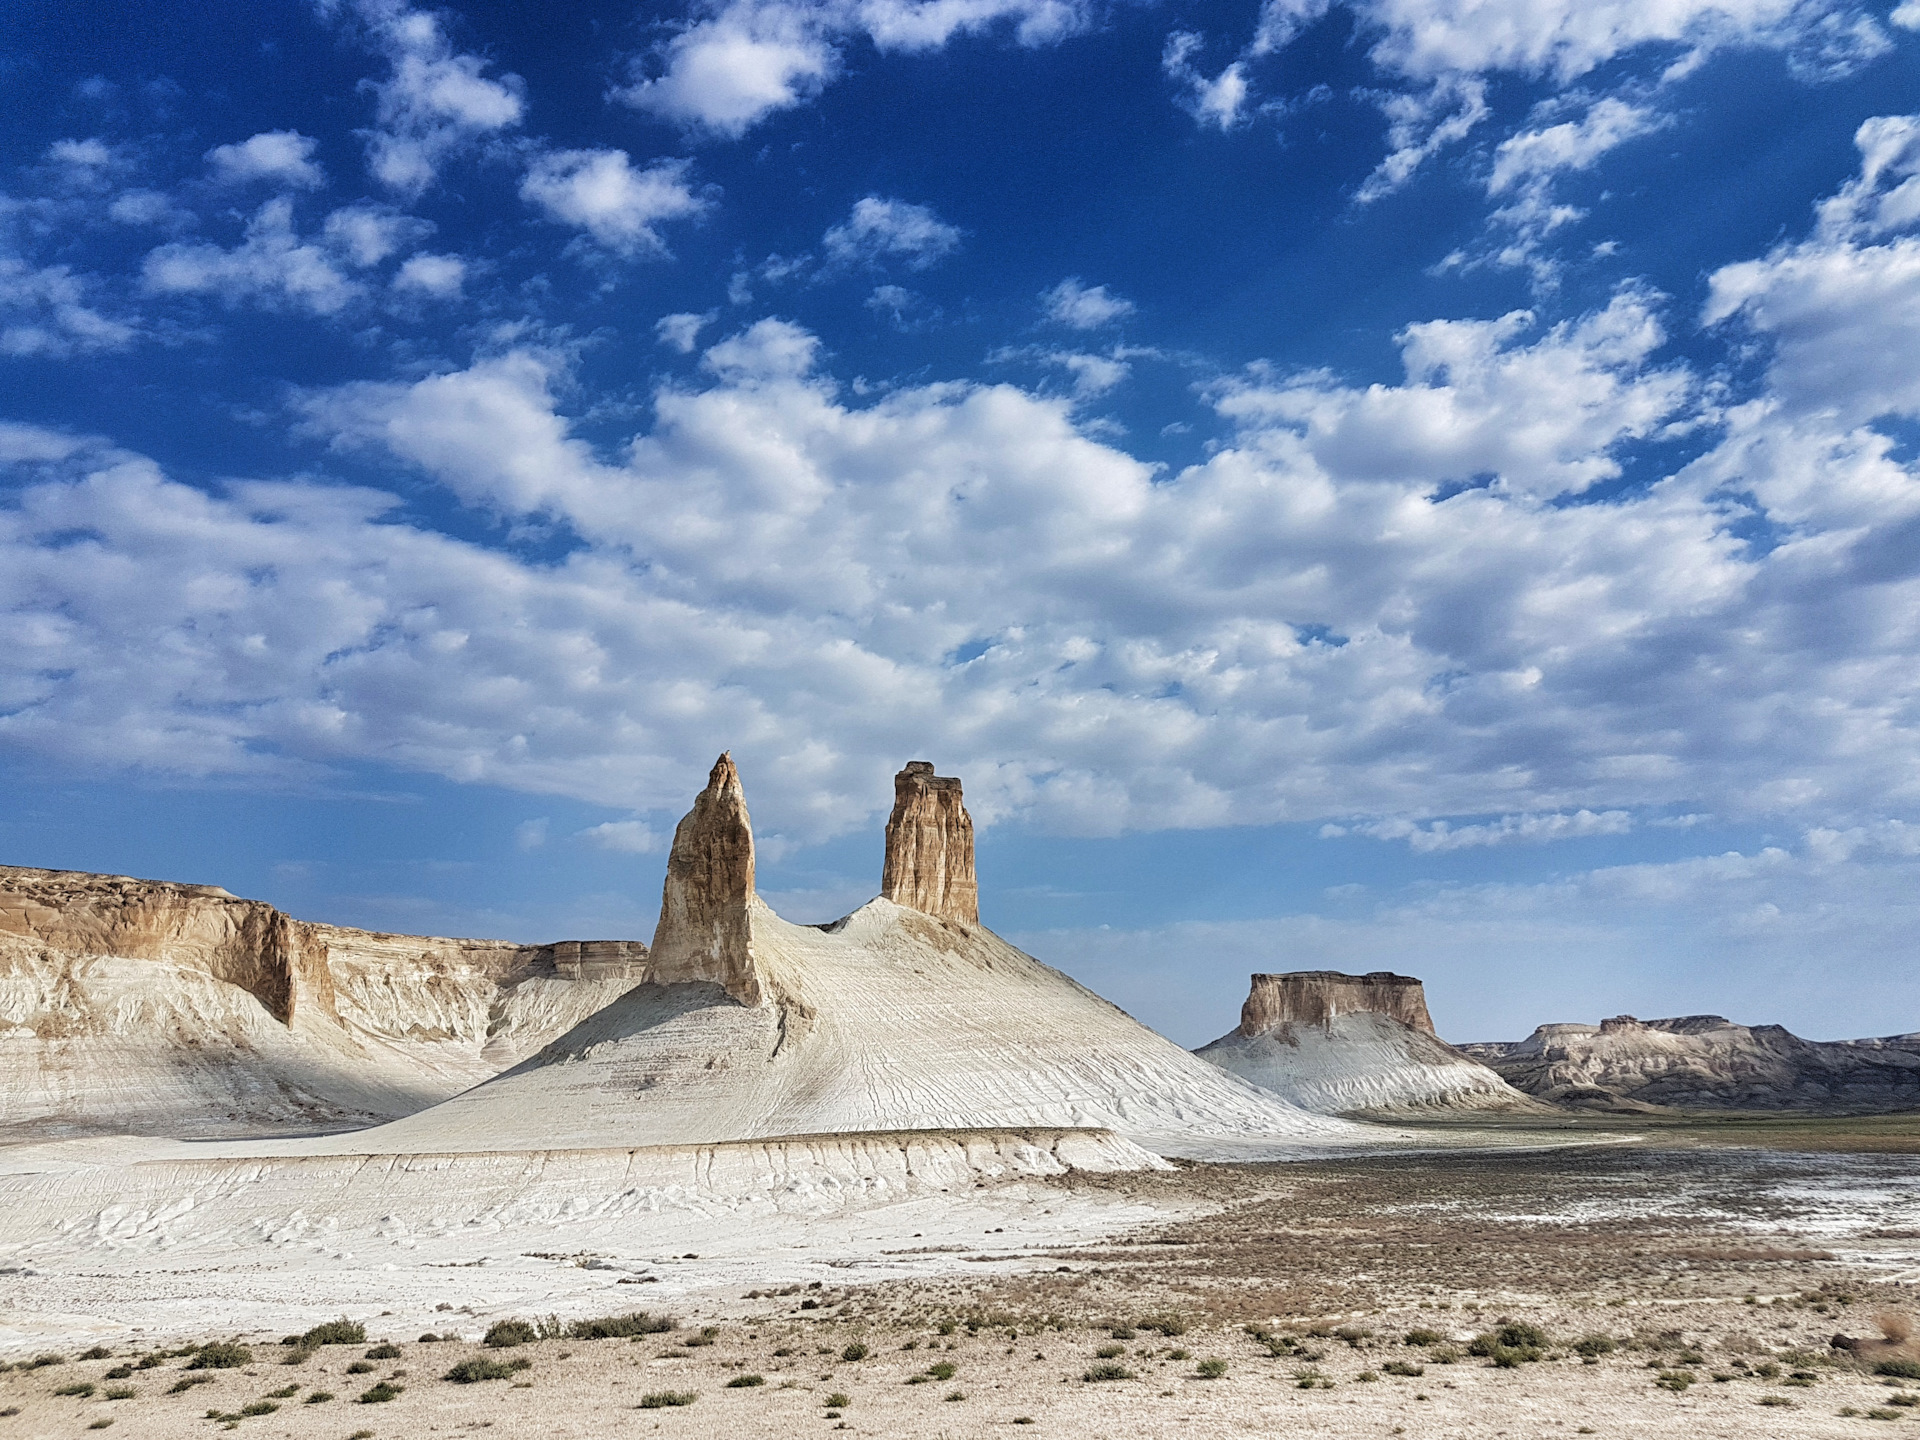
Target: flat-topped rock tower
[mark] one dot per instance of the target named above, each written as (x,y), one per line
(1316,996)
(929,864)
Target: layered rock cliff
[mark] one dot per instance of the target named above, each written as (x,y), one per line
(705,933)
(1707,1062)
(146,1006)
(929,860)
(1353,1044)
(1314,997)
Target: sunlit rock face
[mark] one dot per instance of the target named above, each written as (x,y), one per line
(929,864)
(705,932)
(1317,996)
(160,1008)
(1353,1044)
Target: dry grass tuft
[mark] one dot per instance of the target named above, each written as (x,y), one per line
(1896,1326)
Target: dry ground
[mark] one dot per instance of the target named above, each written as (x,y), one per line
(1734,1266)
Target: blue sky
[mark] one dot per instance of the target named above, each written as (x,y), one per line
(1412,483)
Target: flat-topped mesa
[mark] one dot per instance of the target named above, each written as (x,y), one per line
(929,864)
(1316,996)
(706,909)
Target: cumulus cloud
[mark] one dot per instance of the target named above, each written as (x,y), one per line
(272,265)
(1082,306)
(879,229)
(600,191)
(681,332)
(439,277)
(435,100)
(45,314)
(279,157)
(1221,101)
(1841,308)
(732,64)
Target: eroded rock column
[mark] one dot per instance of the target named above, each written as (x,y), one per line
(706,910)
(929,864)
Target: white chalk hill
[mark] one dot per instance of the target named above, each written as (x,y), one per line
(891,1019)
(1354,1045)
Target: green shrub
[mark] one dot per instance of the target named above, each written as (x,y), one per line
(481,1368)
(259,1407)
(1594,1346)
(1902,1369)
(1444,1355)
(187,1382)
(121,1392)
(1110,1352)
(1401,1367)
(663,1399)
(1167,1324)
(362,1367)
(1878,1414)
(335,1332)
(379,1395)
(1122,1332)
(120,1372)
(708,1334)
(839,1400)
(81,1388)
(1780,1401)
(1423,1337)
(954,1395)
(942,1370)
(384,1351)
(1675,1380)
(855,1351)
(1108,1372)
(505,1333)
(620,1327)
(743,1382)
(1211,1369)
(319,1397)
(220,1355)
(40,1362)
(102,1423)
(98,1352)
(1516,1335)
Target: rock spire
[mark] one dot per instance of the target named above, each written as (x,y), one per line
(929,864)
(1317,996)
(706,909)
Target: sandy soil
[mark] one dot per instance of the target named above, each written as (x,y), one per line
(1691,1257)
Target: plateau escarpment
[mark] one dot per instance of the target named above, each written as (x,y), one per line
(1707,1062)
(1353,1044)
(151,1007)
(897,1017)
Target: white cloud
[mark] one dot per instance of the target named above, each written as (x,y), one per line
(601,192)
(1534,155)
(272,265)
(1842,307)
(440,277)
(1221,101)
(682,332)
(364,235)
(530,834)
(45,314)
(1422,123)
(435,101)
(1082,306)
(1440,835)
(624,837)
(734,64)
(90,154)
(877,229)
(279,157)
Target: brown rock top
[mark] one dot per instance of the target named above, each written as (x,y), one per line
(929,864)
(1316,996)
(706,908)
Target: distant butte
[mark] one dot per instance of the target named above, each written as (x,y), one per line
(929,862)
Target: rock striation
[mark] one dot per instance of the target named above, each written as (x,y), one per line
(1707,1062)
(929,860)
(705,932)
(150,1007)
(1353,1045)
(892,1018)
(1315,997)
